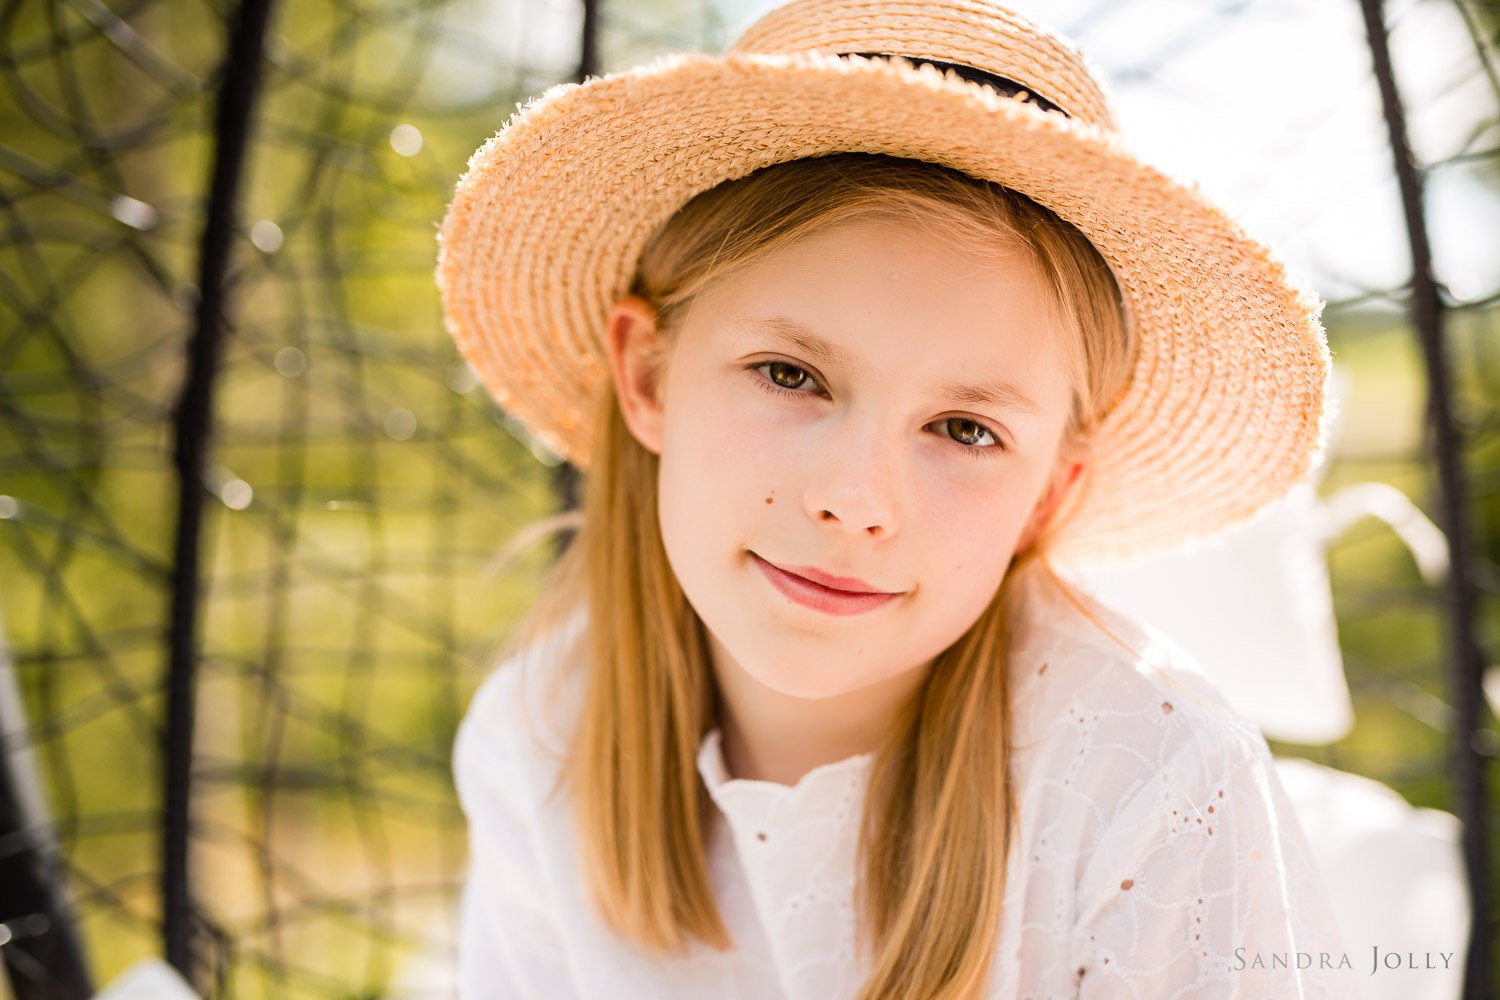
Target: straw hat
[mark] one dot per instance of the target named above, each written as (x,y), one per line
(1225,410)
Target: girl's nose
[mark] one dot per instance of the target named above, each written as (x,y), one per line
(857,483)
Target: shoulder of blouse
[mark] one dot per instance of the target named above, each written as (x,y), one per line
(513,725)
(1104,718)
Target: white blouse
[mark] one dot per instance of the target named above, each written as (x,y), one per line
(1158,853)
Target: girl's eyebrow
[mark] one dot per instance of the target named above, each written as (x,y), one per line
(790,333)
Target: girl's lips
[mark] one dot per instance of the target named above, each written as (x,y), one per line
(818,597)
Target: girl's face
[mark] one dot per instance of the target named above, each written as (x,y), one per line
(871,402)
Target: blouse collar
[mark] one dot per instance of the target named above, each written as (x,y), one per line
(818,785)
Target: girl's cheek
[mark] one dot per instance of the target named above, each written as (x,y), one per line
(976,506)
(731,439)
(754,418)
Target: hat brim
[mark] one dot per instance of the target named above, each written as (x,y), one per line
(1227,406)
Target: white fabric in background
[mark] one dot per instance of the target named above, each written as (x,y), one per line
(148,979)
(1396,877)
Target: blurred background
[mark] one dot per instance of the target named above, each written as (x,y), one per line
(223,372)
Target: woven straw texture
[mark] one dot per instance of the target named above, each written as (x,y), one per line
(1227,406)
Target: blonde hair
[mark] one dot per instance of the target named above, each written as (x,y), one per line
(940,813)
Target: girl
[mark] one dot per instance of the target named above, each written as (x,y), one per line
(861,332)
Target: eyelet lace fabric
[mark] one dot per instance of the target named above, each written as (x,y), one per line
(1158,854)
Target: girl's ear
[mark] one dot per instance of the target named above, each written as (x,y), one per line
(637,352)
(1063,478)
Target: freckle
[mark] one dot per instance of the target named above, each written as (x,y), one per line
(769,500)
(1166,708)
(1043,669)
(1255,855)
(1127,884)
(1210,808)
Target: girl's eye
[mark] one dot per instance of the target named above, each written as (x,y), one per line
(780,370)
(973,429)
(786,379)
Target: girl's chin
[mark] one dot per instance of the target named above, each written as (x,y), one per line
(802,680)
